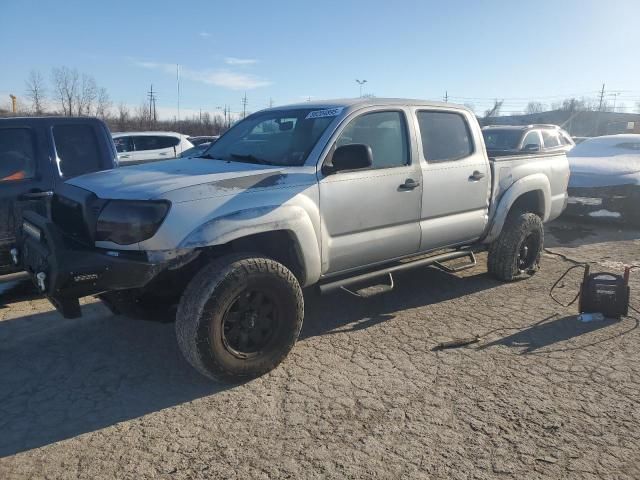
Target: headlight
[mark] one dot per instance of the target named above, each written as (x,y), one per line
(125,222)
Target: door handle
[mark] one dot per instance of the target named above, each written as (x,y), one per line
(164,154)
(409,184)
(34,195)
(477,175)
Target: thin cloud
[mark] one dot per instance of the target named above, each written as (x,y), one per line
(240,61)
(221,77)
(204,34)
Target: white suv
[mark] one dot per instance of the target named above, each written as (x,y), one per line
(138,147)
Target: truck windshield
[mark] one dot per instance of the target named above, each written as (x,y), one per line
(506,139)
(273,137)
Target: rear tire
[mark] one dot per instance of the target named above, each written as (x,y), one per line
(516,252)
(239,317)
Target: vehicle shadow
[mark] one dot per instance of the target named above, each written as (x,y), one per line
(341,312)
(552,331)
(62,378)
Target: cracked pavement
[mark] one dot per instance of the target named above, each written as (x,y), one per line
(362,395)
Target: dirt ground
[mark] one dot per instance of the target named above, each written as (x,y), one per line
(362,395)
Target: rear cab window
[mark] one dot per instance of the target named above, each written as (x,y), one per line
(77,149)
(445,136)
(17,154)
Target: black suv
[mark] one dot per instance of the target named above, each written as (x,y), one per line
(523,139)
(37,154)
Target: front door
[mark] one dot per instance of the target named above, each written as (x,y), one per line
(371,215)
(25,182)
(455,197)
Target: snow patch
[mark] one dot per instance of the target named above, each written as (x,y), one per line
(605,213)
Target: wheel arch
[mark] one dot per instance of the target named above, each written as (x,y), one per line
(529,194)
(284,233)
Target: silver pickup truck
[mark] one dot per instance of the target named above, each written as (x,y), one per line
(337,194)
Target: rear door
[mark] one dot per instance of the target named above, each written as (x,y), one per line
(455,173)
(26,181)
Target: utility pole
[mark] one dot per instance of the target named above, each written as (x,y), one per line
(615,98)
(270,102)
(361,83)
(152,104)
(178,88)
(601,98)
(597,132)
(446,96)
(244,105)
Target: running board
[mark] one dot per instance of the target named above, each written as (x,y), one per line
(458,268)
(421,262)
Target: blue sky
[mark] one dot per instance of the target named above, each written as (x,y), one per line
(291,50)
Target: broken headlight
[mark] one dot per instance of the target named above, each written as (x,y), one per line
(125,221)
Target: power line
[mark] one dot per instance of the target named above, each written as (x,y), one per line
(244,105)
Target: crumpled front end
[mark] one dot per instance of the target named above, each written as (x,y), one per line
(617,202)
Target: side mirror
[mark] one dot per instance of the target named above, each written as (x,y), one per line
(349,157)
(532,147)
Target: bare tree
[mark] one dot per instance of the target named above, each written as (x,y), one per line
(65,88)
(103,103)
(142,115)
(495,110)
(86,95)
(123,117)
(36,91)
(534,107)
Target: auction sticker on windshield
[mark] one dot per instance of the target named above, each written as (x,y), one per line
(329,112)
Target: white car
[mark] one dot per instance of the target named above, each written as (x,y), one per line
(139,147)
(605,178)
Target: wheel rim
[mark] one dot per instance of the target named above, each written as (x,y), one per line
(249,323)
(528,252)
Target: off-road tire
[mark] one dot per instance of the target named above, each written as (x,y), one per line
(504,251)
(212,292)
(140,306)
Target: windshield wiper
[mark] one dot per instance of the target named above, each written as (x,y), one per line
(250,158)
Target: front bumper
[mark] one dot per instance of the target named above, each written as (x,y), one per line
(619,202)
(65,270)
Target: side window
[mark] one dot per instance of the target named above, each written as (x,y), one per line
(550,139)
(167,142)
(445,136)
(384,132)
(77,148)
(17,154)
(123,144)
(531,138)
(147,142)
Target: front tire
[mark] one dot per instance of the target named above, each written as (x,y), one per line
(239,317)
(516,252)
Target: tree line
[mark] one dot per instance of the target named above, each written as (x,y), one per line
(68,92)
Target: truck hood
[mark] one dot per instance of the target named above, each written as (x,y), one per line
(152,180)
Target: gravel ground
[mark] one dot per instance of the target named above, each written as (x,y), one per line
(362,395)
